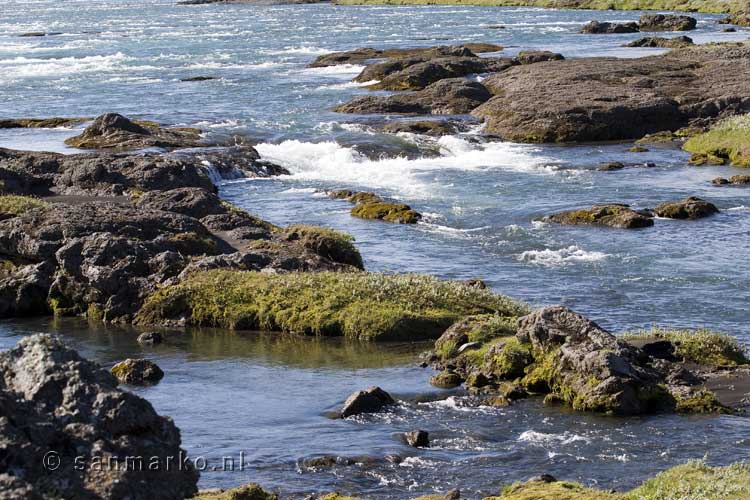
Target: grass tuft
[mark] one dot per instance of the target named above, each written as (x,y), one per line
(728,141)
(704,347)
(14,205)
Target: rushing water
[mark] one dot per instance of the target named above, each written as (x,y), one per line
(268,395)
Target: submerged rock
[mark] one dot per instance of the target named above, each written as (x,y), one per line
(662,43)
(370,400)
(613,215)
(55,402)
(137,372)
(453,96)
(690,208)
(114,131)
(417,439)
(598,28)
(666,22)
(150,338)
(198,78)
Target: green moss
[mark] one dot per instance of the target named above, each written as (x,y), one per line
(511,361)
(257,221)
(560,490)
(715,6)
(334,245)
(16,205)
(703,347)
(192,243)
(354,305)
(541,375)
(696,481)
(728,141)
(391,212)
(703,401)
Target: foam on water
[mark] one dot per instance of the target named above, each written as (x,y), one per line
(329,161)
(554,258)
(24,67)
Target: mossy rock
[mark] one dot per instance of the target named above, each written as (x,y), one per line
(612,215)
(690,208)
(391,212)
(727,142)
(479,328)
(508,359)
(446,379)
(702,347)
(368,306)
(246,492)
(328,243)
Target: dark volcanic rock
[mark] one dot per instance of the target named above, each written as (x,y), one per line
(689,208)
(198,78)
(417,439)
(150,338)
(739,180)
(423,127)
(588,366)
(597,28)
(618,216)
(417,73)
(113,131)
(598,99)
(536,56)
(358,56)
(663,43)
(41,122)
(666,22)
(446,97)
(137,372)
(54,401)
(195,202)
(370,400)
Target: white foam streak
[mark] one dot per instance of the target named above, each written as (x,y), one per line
(555,258)
(328,161)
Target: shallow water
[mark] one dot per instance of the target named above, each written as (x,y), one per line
(267,395)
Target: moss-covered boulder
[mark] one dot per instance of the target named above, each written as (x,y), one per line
(446,379)
(367,306)
(727,142)
(661,42)
(691,208)
(328,243)
(479,328)
(611,215)
(737,180)
(508,359)
(137,372)
(391,212)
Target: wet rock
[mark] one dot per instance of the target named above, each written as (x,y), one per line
(738,18)
(601,99)
(660,349)
(114,131)
(417,439)
(432,128)
(150,338)
(598,28)
(417,73)
(198,78)
(370,400)
(666,22)
(690,208)
(536,56)
(446,380)
(358,56)
(729,30)
(585,366)
(250,491)
(137,372)
(611,166)
(53,400)
(41,122)
(617,216)
(451,96)
(638,149)
(31,34)
(662,43)
(543,478)
(738,180)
